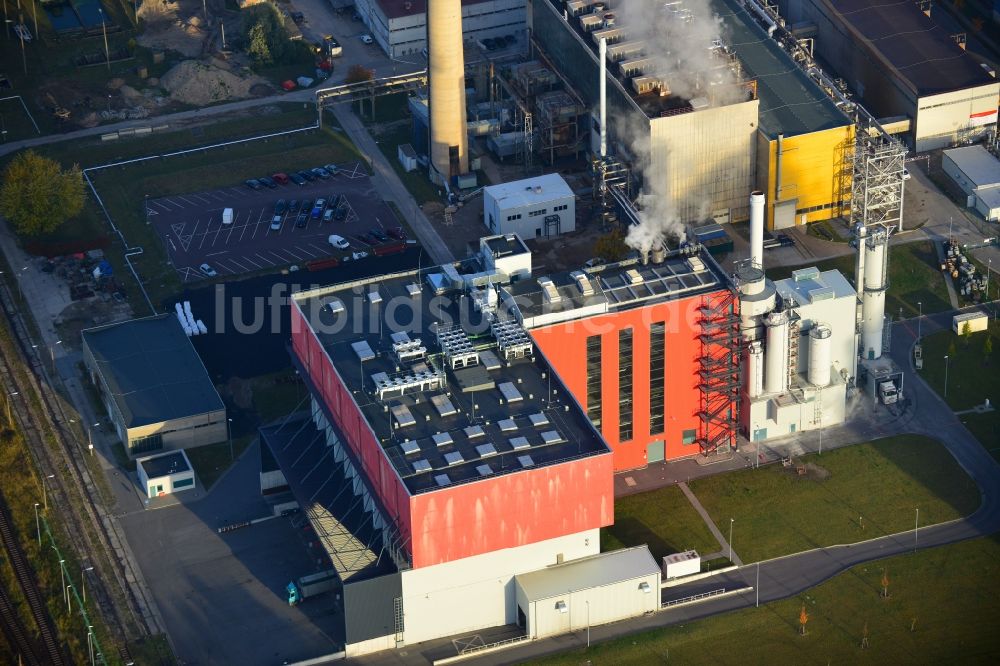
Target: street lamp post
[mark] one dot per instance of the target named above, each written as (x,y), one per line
(38,526)
(83,581)
(62,573)
(229,435)
(104,29)
(588,623)
(45,490)
(946,375)
(10,419)
(52,354)
(20,34)
(916,529)
(920,316)
(90,643)
(731,520)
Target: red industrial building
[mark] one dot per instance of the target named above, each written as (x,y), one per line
(467,420)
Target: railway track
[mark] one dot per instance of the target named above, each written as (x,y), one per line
(13,629)
(22,571)
(57,451)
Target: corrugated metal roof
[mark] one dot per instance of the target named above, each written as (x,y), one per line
(977,164)
(588,572)
(152,370)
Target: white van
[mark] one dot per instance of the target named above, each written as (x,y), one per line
(227,216)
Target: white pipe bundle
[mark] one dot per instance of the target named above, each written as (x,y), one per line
(187,308)
(202,329)
(180,310)
(183,320)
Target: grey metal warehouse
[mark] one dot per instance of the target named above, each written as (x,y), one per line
(153,385)
(901,62)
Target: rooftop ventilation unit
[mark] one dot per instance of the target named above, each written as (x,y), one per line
(409,350)
(803,274)
(632,276)
(374,296)
(387,387)
(363,350)
(334,306)
(512,340)
(582,283)
(549,291)
(457,347)
(695,264)
(413,289)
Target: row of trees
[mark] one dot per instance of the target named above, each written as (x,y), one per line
(266,39)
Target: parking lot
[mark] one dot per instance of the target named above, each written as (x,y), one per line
(192,229)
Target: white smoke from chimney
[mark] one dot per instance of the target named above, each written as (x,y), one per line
(681,40)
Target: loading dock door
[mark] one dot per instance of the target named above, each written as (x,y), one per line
(654,452)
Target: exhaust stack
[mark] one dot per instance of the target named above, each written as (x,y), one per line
(757,229)
(449,142)
(604,96)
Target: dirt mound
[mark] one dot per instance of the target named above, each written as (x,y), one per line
(198,84)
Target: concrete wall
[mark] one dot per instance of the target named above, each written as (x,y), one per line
(593,607)
(527,226)
(704,161)
(779,416)
(478,592)
(839,315)
(813,173)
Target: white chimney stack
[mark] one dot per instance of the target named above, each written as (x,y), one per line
(603,54)
(757,229)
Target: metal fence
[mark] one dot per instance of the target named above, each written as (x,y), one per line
(694,597)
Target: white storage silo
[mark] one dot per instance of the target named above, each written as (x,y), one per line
(776,354)
(820,354)
(755,369)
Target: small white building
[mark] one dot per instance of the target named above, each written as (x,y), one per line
(977,321)
(588,592)
(977,172)
(165,474)
(539,207)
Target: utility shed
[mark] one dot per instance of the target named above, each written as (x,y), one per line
(153,385)
(165,473)
(977,172)
(588,592)
(538,207)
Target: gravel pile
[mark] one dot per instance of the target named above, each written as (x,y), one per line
(198,84)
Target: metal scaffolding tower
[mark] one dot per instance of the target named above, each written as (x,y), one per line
(877,182)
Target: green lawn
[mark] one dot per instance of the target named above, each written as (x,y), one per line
(15,124)
(827,230)
(212,460)
(972,378)
(415,181)
(913,278)
(937,613)
(274,398)
(663,519)
(849,494)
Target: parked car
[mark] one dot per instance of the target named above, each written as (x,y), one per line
(276,223)
(377,233)
(307,205)
(333,47)
(293,206)
(328,214)
(297,179)
(399,233)
(331,169)
(267,182)
(320,172)
(906,174)
(355,16)
(227,215)
(339,242)
(340,214)
(308,175)
(367,39)
(252,183)
(318,208)
(280,207)
(298,17)
(207,270)
(302,220)
(280,178)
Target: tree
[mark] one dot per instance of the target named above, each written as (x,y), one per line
(38,195)
(987,349)
(951,349)
(257,45)
(966,333)
(611,246)
(358,73)
(803,618)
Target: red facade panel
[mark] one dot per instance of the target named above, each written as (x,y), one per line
(512,510)
(564,345)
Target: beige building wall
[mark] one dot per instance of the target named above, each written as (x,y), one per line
(705,161)
(943,120)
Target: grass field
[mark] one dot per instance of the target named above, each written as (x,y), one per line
(913,278)
(972,378)
(937,613)
(15,123)
(850,494)
(212,460)
(415,181)
(273,398)
(663,519)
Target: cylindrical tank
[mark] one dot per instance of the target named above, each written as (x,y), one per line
(873,298)
(820,354)
(603,51)
(755,369)
(449,143)
(776,356)
(757,228)
(658,254)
